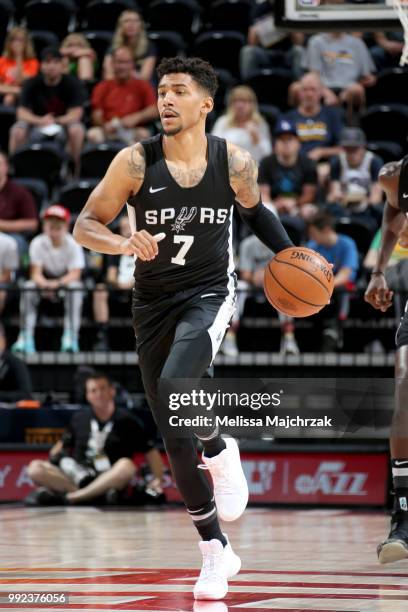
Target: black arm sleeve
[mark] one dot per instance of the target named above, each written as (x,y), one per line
(266,226)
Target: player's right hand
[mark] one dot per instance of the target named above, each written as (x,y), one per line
(378,294)
(142,244)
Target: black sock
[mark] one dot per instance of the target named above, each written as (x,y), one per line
(208,527)
(214,446)
(400,480)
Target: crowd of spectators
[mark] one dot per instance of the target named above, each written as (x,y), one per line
(315,164)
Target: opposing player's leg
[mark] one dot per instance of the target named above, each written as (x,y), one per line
(395,547)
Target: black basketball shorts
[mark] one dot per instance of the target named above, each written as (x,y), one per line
(178,334)
(401,337)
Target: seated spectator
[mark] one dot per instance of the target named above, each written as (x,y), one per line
(17,63)
(253,257)
(342,252)
(123,105)
(119,279)
(51,106)
(243,125)
(79,57)
(387,51)
(354,188)
(18,211)
(9,263)
(287,178)
(345,67)
(268,46)
(94,457)
(130,32)
(318,126)
(56,265)
(15,380)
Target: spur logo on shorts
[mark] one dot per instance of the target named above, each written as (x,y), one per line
(185,216)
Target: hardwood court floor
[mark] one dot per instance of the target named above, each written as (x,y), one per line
(320,560)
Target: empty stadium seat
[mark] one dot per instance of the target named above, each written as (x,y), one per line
(42,39)
(6,13)
(225,82)
(100,41)
(167,43)
(386,123)
(181,14)
(37,188)
(271,86)
(391,88)
(221,49)
(95,159)
(103,14)
(74,195)
(224,14)
(7,118)
(358,230)
(270,113)
(43,161)
(387,150)
(57,16)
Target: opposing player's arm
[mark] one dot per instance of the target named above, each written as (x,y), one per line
(243,173)
(123,179)
(378,293)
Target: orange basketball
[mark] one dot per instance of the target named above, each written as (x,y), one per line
(298,282)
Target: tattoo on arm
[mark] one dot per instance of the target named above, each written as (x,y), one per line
(391,169)
(136,163)
(243,172)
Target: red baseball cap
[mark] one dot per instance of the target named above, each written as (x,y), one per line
(57,211)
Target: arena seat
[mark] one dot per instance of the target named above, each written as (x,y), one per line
(167,43)
(221,14)
(271,86)
(6,14)
(96,158)
(387,150)
(100,41)
(7,118)
(74,195)
(182,14)
(37,187)
(57,16)
(221,48)
(270,113)
(225,82)
(103,14)
(42,39)
(386,122)
(43,161)
(358,230)
(391,88)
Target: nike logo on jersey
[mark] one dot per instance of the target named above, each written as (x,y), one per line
(397,463)
(405,195)
(151,190)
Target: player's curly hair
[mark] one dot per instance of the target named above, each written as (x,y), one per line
(200,70)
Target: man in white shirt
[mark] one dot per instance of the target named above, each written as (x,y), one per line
(56,264)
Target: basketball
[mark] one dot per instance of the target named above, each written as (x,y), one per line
(298,282)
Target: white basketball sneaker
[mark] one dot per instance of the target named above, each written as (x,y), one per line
(230,485)
(219,563)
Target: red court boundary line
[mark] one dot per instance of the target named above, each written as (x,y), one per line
(187,571)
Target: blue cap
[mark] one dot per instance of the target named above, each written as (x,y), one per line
(283,126)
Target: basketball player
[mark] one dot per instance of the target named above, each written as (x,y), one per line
(393,178)
(184,184)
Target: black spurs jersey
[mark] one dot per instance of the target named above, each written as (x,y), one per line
(403,186)
(197,221)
